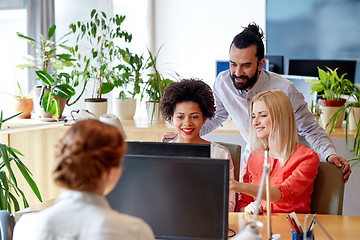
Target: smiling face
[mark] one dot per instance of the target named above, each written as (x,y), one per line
(261,120)
(187,120)
(244,66)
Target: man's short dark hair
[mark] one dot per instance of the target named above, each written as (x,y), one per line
(251,35)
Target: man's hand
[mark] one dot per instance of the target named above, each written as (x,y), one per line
(339,162)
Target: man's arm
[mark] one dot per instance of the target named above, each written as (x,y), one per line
(221,115)
(314,134)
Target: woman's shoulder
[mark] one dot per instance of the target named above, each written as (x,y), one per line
(219,151)
(303,150)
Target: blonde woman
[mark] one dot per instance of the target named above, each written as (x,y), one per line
(89,164)
(293,167)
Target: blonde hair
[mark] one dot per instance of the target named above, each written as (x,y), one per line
(88,150)
(283,124)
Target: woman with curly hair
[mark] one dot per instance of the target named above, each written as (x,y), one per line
(187,104)
(89,164)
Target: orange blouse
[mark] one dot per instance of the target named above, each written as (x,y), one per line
(295,179)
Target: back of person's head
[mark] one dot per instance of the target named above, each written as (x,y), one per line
(186,90)
(89,149)
(284,130)
(251,35)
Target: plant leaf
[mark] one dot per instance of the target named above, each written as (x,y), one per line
(47,101)
(51,31)
(64,91)
(45,77)
(29,180)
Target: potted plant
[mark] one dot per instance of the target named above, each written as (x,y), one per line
(23,104)
(128,82)
(315,110)
(10,189)
(154,88)
(352,106)
(96,58)
(55,88)
(330,87)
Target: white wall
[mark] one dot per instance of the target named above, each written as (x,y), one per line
(197,33)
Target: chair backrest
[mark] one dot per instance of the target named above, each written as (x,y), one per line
(6,225)
(235,152)
(328,194)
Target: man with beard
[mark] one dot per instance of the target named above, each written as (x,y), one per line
(235,88)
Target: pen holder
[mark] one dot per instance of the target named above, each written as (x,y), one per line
(300,236)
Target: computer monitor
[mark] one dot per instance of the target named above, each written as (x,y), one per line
(168,149)
(303,86)
(179,197)
(276,64)
(221,66)
(308,67)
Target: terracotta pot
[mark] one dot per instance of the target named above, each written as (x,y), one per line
(24,105)
(332,103)
(39,111)
(97,106)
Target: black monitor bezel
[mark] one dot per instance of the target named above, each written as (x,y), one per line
(308,67)
(191,160)
(167,149)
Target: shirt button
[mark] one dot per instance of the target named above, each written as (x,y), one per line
(291,191)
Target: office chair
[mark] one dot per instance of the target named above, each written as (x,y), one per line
(328,194)
(235,152)
(6,225)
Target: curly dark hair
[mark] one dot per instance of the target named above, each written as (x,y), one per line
(251,35)
(194,90)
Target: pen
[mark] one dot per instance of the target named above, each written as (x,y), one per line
(311,223)
(296,221)
(292,224)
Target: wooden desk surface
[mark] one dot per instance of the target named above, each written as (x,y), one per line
(338,226)
(139,125)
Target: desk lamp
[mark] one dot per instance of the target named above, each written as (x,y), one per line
(251,230)
(114,120)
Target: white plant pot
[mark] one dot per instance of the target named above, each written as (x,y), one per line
(153,112)
(125,109)
(97,108)
(354,117)
(326,115)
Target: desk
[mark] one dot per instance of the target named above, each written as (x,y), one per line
(339,227)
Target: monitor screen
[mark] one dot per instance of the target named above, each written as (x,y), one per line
(276,64)
(303,86)
(179,197)
(168,149)
(307,67)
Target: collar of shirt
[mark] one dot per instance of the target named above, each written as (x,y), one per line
(91,198)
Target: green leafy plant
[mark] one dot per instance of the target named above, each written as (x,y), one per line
(9,187)
(130,78)
(349,105)
(47,63)
(156,81)
(97,63)
(315,109)
(329,85)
